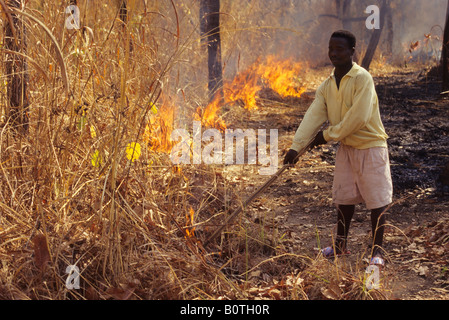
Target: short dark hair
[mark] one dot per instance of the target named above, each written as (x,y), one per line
(349,36)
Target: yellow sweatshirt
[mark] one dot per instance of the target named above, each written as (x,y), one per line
(352,112)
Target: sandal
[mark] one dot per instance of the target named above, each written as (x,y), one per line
(377,261)
(329,253)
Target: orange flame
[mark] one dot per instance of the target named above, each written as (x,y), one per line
(158,132)
(279,75)
(282,77)
(244,87)
(190,230)
(209,116)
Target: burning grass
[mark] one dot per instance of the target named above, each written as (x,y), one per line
(279,75)
(91,184)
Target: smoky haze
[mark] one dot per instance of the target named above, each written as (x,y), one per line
(301,29)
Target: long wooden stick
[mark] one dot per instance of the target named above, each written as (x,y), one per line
(256,194)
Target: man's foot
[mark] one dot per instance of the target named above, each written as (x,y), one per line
(329,253)
(378,261)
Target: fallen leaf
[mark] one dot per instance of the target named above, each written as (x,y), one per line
(120,293)
(275,294)
(255,274)
(333,292)
(41,253)
(91,294)
(330,294)
(293,281)
(438,251)
(422,271)
(253,291)
(417,249)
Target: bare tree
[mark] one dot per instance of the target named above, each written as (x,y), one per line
(343,14)
(343,7)
(124,17)
(16,70)
(210,32)
(375,37)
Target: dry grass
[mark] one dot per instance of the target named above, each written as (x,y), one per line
(70,195)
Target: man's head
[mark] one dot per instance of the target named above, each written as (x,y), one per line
(341,48)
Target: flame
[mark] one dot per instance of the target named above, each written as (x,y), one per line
(190,230)
(279,75)
(209,116)
(244,87)
(158,132)
(282,77)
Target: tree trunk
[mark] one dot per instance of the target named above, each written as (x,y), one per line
(210,32)
(389,31)
(445,53)
(343,9)
(123,14)
(375,38)
(124,17)
(16,69)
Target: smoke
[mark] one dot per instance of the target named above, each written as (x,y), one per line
(416,20)
(301,29)
(287,29)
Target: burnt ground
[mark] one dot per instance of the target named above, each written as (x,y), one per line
(298,205)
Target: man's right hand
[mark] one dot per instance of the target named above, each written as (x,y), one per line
(318,140)
(291,157)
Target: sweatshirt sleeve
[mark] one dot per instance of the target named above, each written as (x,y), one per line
(357,115)
(314,118)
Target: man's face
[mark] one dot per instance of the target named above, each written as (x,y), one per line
(340,52)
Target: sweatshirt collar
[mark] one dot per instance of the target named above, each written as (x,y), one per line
(351,73)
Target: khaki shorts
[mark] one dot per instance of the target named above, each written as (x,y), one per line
(362,176)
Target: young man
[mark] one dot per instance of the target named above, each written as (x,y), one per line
(348,100)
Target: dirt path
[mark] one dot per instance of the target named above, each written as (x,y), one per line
(299,207)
